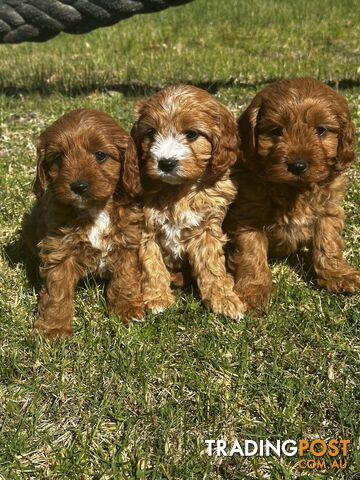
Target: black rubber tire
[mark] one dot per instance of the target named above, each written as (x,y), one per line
(39,20)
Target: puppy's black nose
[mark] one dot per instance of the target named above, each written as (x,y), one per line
(167,164)
(79,187)
(298,167)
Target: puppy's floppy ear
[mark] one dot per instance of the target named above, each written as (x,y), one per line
(139,110)
(346,141)
(130,174)
(40,181)
(247,132)
(225,143)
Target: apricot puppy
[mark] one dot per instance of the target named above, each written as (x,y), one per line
(297,139)
(85,219)
(186,142)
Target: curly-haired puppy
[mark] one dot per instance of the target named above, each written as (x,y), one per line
(85,219)
(296,141)
(187,142)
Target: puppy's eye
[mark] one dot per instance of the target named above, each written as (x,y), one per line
(100,156)
(320,131)
(276,131)
(191,135)
(58,159)
(150,133)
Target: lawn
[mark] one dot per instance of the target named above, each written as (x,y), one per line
(138,403)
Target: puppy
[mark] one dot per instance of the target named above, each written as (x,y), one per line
(85,219)
(187,142)
(296,141)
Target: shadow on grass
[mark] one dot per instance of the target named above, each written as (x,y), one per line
(132,89)
(18,253)
(138,89)
(301,263)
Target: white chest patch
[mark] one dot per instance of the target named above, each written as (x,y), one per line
(97,234)
(170,232)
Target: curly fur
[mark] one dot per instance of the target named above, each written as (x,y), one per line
(96,231)
(185,205)
(277,211)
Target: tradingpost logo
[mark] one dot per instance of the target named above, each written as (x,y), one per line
(316,454)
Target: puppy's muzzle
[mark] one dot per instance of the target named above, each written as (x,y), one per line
(298,167)
(79,187)
(167,164)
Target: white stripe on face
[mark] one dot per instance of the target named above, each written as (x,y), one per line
(171,146)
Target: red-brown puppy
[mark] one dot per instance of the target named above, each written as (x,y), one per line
(187,142)
(85,220)
(296,141)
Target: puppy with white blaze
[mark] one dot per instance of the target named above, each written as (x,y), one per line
(186,142)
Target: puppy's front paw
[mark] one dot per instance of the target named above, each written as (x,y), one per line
(229,305)
(346,282)
(159,305)
(128,312)
(58,332)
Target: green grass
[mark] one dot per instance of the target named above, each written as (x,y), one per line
(138,403)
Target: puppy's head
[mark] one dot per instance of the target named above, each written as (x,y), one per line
(183,134)
(83,158)
(297,131)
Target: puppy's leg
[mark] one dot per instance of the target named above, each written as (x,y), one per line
(123,292)
(332,271)
(207,259)
(156,277)
(55,308)
(249,263)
